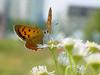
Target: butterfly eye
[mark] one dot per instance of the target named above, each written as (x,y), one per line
(45,32)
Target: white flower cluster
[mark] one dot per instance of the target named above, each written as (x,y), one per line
(71,47)
(79,48)
(41,70)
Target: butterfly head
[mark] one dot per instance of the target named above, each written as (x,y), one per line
(47,36)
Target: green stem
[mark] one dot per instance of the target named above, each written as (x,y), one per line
(66,70)
(54,58)
(75,65)
(63,69)
(94,72)
(83,73)
(72,62)
(71,65)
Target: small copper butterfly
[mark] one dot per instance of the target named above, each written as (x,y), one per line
(33,35)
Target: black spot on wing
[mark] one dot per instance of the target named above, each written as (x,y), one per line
(24,33)
(37,31)
(28,36)
(23,29)
(29,30)
(20,35)
(34,31)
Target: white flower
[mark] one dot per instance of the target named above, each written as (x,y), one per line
(42,46)
(93,47)
(63,59)
(94,58)
(41,70)
(67,41)
(51,44)
(80,48)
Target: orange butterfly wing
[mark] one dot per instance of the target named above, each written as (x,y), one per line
(32,35)
(31,45)
(49,21)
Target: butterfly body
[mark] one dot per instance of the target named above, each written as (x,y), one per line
(33,35)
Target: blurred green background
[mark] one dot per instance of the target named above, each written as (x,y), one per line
(79,19)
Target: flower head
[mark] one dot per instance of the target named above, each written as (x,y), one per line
(42,46)
(67,43)
(93,47)
(93,58)
(80,49)
(41,70)
(51,44)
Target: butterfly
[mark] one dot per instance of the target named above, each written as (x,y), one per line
(33,35)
